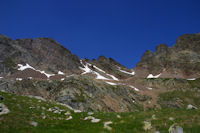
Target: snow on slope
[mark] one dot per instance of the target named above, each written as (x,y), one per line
(192,79)
(21,68)
(136,89)
(113,77)
(130,73)
(110,83)
(100,76)
(86,69)
(151,76)
(61,73)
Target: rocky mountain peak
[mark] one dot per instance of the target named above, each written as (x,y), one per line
(178,61)
(188,42)
(161,48)
(148,54)
(4,39)
(41,53)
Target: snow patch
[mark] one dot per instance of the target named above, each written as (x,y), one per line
(110,83)
(85,68)
(21,68)
(130,73)
(88,70)
(62,79)
(149,88)
(43,72)
(61,73)
(136,89)
(113,77)
(19,79)
(99,69)
(100,76)
(151,76)
(192,79)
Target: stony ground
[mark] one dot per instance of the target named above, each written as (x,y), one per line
(35,115)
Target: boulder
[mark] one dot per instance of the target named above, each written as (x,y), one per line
(147,125)
(175,129)
(191,107)
(3,109)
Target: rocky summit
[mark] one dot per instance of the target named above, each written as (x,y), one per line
(46,88)
(179,61)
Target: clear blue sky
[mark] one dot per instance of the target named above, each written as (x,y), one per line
(121,29)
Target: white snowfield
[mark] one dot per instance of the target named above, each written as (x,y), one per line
(136,89)
(110,83)
(21,68)
(151,76)
(86,70)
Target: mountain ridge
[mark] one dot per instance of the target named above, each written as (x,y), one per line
(42,67)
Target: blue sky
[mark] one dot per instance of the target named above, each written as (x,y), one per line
(121,29)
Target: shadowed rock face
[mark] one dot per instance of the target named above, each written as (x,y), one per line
(181,60)
(41,53)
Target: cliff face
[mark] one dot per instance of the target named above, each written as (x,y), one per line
(41,53)
(179,61)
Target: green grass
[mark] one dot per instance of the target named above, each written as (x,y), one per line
(18,120)
(187,96)
(194,83)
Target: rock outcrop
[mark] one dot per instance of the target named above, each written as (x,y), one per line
(179,61)
(41,53)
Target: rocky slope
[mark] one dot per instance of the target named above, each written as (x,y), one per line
(182,60)
(42,67)
(42,53)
